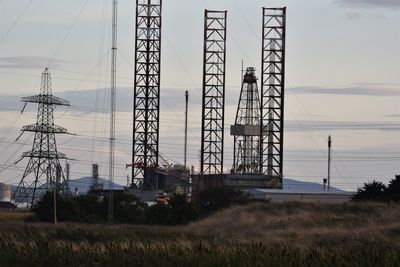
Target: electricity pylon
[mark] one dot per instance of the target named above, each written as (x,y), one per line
(43,172)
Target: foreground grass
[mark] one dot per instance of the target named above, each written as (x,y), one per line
(13,216)
(292,234)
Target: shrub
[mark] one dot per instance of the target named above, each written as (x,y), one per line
(177,211)
(392,192)
(218,198)
(127,208)
(90,208)
(158,214)
(372,191)
(44,209)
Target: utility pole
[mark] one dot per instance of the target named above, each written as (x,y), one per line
(67,172)
(186,127)
(329,161)
(55,203)
(112,110)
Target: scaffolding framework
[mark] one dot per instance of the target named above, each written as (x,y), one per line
(246,130)
(43,172)
(273,91)
(213,113)
(146,89)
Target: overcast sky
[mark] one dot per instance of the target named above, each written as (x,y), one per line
(343,78)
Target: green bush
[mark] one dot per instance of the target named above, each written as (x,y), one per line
(177,211)
(215,199)
(377,191)
(67,210)
(372,191)
(393,190)
(90,208)
(129,209)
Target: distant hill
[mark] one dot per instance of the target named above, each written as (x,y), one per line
(293,185)
(83,184)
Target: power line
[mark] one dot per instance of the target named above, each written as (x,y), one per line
(16,20)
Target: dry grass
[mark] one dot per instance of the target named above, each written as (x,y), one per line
(289,234)
(304,224)
(13,216)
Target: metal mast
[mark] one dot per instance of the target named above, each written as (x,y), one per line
(213,112)
(186,127)
(112,109)
(273,91)
(146,106)
(246,131)
(329,161)
(43,172)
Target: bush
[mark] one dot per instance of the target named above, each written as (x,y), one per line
(372,191)
(393,190)
(215,199)
(177,211)
(130,210)
(44,209)
(127,208)
(377,191)
(90,208)
(158,214)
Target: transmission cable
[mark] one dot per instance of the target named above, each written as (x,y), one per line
(16,20)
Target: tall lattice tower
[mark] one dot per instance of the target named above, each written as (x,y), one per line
(213,104)
(43,172)
(146,106)
(273,91)
(246,131)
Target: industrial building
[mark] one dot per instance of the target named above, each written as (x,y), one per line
(258,129)
(284,195)
(5,192)
(5,197)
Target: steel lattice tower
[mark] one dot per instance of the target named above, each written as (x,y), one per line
(43,172)
(246,131)
(273,90)
(212,136)
(146,89)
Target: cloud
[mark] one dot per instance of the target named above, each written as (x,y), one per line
(354,91)
(352,15)
(370,3)
(299,126)
(393,115)
(28,62)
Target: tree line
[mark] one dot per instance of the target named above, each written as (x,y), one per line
(129,209)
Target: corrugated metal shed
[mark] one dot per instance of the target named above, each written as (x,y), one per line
(283,195)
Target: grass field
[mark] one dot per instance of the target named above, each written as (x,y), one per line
(292,234)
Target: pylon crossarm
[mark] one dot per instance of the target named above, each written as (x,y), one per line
(46,99)
(44,154)
(43,128)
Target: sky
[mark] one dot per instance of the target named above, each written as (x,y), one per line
(343,79)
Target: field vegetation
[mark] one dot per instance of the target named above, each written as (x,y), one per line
(255,234)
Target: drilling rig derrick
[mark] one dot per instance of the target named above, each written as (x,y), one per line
(246,131)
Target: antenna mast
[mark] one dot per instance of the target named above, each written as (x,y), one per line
(186,127)
(112,109)
(329,161)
